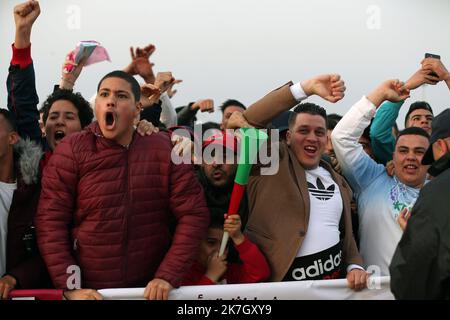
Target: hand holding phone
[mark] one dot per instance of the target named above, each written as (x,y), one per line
(433,56)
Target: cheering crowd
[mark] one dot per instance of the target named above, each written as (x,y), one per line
(90,197)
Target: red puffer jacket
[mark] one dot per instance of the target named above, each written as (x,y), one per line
(108,209)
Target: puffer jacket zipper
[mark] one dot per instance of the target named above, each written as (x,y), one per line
(128,212)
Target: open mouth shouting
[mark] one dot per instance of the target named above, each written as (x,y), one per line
(110,120)
(58,136)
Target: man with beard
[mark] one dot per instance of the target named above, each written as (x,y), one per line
(380,197)
(217,175)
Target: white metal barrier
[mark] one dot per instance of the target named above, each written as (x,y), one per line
(378,289)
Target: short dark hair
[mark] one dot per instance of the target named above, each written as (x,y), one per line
(413,131)
(231,102)
(135,88)
(418,105)
(85,113)
(307,107)
(10,119)
(332,120)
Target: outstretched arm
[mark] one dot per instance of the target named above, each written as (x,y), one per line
(25,15)
(186,116)
(356,165)
(168,114)
(329,87)
(21,84)
(383,141)
(68,78)
(436,66)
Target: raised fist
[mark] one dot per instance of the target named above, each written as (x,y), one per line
(25,14)
(328,86)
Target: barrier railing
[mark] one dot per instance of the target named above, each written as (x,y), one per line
(378,289)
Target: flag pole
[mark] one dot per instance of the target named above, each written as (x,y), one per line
(251,141)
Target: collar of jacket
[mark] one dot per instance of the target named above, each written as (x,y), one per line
(27,156)
(440,165)
(300,180)
(95,129)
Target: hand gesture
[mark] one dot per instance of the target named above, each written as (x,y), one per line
(157,289)
(328,86)
(140,63)
(25,15)
(390,168)
(237,121)
(145,128)
(419,78)
(395,91)
(357,279)
(71,71)
(205,105)
(435,65)
(403,218)
(7,283)
(216,266)
(391,90)
(233,225)
(182,146)
(170,91)
(164,80)
(83,294)
(149,94)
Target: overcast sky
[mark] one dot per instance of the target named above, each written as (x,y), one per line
(242,49)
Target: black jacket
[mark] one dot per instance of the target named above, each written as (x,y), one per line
(420,268)
(23,260)
(186,116)
(23,101)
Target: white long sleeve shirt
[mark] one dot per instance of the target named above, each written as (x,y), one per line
(380,197)
(6,195)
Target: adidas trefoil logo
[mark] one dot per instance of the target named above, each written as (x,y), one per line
(320,192)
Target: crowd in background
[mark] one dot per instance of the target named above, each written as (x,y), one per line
(92,184)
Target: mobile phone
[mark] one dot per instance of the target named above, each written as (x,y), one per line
(434,56)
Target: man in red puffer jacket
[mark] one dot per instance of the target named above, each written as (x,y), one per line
(108,198)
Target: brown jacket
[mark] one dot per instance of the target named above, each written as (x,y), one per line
(279,204)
